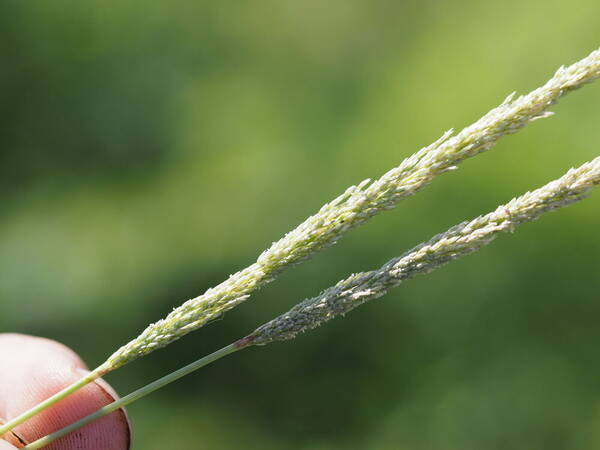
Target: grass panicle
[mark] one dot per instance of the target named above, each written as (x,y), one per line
(358,204)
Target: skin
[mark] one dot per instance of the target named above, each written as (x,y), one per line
(31,370)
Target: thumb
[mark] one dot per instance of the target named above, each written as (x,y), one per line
(33,369)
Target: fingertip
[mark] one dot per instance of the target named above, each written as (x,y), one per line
(23,347)
(31,370)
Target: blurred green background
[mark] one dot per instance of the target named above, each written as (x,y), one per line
(150,149)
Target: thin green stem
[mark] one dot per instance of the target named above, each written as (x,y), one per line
(136,395)
(97,373)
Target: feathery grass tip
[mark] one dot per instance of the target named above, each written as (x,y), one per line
(357,205)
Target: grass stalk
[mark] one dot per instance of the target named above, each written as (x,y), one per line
(353,208)
(352,292)
(51,400)
(136,395)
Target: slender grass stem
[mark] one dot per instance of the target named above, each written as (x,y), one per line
(136,395)
(97,373)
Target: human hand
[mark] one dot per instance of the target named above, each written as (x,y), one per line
(31,370)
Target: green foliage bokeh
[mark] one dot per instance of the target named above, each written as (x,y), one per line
(148,150)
